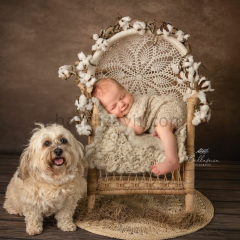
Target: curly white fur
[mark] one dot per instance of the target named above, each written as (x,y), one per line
(41,188)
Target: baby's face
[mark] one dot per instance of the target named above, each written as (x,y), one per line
(116,101)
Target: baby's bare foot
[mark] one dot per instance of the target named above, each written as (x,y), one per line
(164,167)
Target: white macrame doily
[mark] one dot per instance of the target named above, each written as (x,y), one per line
(142,67)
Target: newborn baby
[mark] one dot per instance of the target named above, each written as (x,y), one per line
(160,115)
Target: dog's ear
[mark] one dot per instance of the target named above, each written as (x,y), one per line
(24,164)
(82,160)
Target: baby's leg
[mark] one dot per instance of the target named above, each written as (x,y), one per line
(170,144)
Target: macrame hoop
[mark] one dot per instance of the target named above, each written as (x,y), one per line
(130,32)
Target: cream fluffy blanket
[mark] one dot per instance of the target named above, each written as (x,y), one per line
(118,148)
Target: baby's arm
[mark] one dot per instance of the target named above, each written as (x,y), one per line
(126,122)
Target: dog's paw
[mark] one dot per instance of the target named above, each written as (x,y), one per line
(67,226)
(33,230)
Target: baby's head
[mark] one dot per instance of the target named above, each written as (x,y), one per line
(113,96)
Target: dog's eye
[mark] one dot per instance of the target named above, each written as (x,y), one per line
(64,141)
(47,143)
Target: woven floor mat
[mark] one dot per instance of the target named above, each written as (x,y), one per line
(144,216)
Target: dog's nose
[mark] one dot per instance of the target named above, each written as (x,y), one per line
(58,151)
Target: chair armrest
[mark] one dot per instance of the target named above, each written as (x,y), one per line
(95,122)
(193,99)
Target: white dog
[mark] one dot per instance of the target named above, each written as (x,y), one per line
(49,179)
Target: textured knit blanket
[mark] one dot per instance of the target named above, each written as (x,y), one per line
(117,148)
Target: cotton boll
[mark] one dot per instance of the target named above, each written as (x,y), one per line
(175,68)
(81,103)
(101,44)
(80,66)
(182,75)
(196,77)
(95,37)
(208,116)
(75,119)
(186,36)
(89,58)
(140,27)
(83,128)
(190,70)
(84,77)
(203,111)
(188,61)
(179,35)
(81,56)
(170,27)
(197,118)
(124,23)
(91,82)
(94,47)
(180,81)
(89,106)
(159,32)
(76,103)
(165,33)
(202,96)
(126,19)
(190,77)
(65,72)
(205,85)
(196,65)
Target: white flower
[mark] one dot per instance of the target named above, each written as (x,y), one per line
(205,85)
(140,27)
(101,44)
(83,128)
(181,37)
(65,72)
(124,23)
(75,119)
(83,61)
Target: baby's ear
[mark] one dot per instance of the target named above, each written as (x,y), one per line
(24,164)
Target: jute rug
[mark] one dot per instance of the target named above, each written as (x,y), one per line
(144,217)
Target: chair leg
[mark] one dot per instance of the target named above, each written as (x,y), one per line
(92,179)
(189,202)
(91,202)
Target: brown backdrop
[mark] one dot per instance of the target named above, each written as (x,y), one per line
(38,36)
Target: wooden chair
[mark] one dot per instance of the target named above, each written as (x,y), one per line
(143,65)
